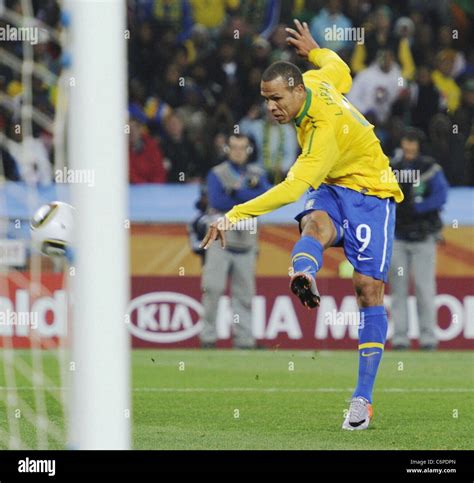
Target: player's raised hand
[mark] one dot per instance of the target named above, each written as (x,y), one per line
(216,231)
(301,39)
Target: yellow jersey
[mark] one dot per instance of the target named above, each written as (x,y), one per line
(338,144)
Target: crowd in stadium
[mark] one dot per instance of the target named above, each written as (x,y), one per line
(195,69)
(195,75)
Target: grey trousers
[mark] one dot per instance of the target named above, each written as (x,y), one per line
(419,260)
(219,265)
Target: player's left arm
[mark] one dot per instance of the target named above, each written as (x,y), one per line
(319,154)
(286,192)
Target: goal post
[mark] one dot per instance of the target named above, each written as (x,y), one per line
(100,408)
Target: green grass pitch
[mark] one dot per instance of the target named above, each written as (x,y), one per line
(276,399)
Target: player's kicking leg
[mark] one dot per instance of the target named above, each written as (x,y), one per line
(320,227)
(317,233)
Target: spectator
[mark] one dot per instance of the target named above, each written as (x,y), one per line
(201,45)
(251,96)
(447,148)
(450,91)
(145,55)
(261,51)
(261,17)
(276,143)
(464,119)
(404,31)
(226,69)
(145,156)
(175,14)
(222,118)
(172,87)
(302,10)
(423,47)
(192,112)
(230,183)
(194,117)
(280,50)
(155,111)
(212,18)
(181,56)
(182,160)
(8,168)
(31,158)
(376,88)
(238,29)
(425,99)
(457,58)
(228,72)
(417,229)
(379,37)
(323,24)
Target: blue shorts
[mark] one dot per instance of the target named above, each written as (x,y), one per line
(365,226)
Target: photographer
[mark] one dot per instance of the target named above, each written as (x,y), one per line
(417,230)
(230,183)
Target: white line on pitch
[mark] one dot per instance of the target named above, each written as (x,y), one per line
(254,389)
(291,389)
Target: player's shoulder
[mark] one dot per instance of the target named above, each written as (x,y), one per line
(320,85)
(313,78)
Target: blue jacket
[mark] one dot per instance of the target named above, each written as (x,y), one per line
(223,198)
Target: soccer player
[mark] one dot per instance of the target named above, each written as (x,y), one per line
(351,198)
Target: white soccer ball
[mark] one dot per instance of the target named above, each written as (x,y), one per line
(51,228)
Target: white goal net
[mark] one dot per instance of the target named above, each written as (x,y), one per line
(34,348)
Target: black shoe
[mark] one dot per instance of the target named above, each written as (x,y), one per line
(304,287)
(208,345)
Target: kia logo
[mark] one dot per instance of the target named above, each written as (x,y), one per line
(165,317)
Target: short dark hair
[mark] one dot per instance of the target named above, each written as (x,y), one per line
(287,71)
(414,134)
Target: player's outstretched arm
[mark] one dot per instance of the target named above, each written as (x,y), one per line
(284,193)
(331,66)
